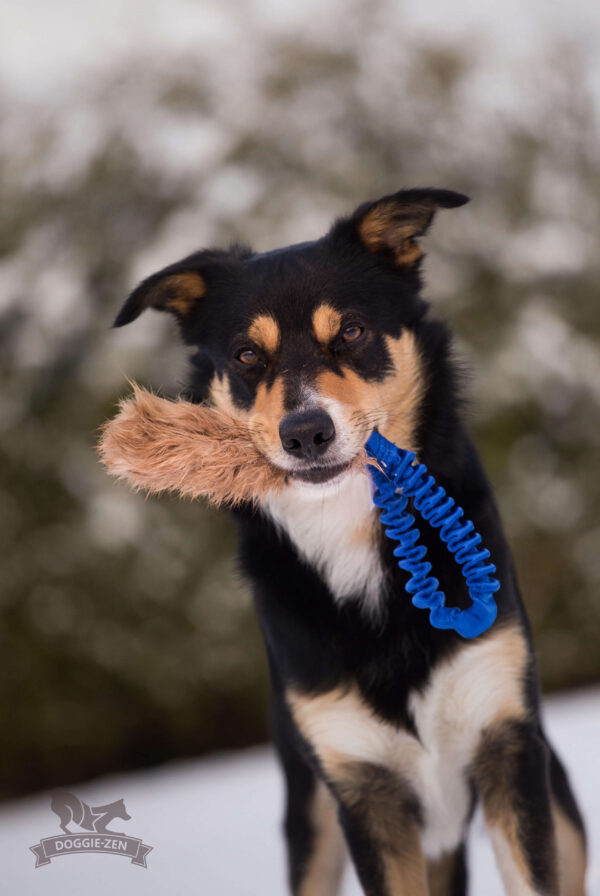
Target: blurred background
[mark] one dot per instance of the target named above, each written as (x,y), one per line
(135,131)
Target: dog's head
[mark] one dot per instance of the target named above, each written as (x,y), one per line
(119,811)
(311,346)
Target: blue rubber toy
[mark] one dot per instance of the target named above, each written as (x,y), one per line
(400,479)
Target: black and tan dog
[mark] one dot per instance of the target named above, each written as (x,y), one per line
(389,731)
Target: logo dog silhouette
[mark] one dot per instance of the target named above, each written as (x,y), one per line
(71,810)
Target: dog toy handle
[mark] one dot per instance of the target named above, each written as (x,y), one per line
(399,474)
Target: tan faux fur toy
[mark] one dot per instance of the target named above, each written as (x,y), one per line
(159,445)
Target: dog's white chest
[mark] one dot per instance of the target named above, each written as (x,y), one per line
(333,529)
(438,767)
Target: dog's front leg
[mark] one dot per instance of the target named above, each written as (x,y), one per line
(511,776)
(381,820)
(316,851)
(378,809)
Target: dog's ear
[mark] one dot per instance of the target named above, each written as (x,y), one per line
(393,224)
(178,288)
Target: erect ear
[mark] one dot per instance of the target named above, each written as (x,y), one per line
(177,288)
(393,224)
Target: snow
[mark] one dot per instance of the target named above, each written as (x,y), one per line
(214,824)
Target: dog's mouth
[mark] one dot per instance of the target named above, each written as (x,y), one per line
(319,475)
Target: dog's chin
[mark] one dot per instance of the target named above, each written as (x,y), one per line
(319,475)
(319,481)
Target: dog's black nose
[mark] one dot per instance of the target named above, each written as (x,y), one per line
(307,434)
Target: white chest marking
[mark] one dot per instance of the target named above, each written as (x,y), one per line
(333,529)
(480,686)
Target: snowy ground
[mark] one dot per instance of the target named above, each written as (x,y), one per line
(213,824)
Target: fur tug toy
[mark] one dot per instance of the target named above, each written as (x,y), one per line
(397,472)
(160,445)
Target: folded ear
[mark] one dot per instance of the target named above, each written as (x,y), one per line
(177,288)
(393,224)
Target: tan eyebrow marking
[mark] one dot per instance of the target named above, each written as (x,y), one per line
(326,323)
(265,332)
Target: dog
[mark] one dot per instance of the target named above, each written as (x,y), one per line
(389,731)
(71,810)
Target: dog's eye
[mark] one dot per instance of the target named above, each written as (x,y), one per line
(352,332)
(248,357)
